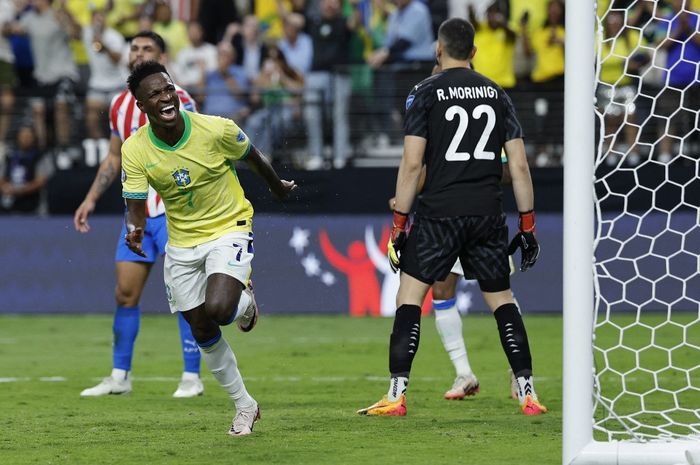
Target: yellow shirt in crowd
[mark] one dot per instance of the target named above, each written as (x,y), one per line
(615,52)
(550,57)
(494,55)
(195,178)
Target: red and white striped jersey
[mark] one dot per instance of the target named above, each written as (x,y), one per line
(125,118)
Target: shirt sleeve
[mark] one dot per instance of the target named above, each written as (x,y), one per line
(134,182)
(235,145)
(512,125)
(415,121)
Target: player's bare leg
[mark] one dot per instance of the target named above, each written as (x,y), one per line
(403,346)
(218,354)
(516,346)
(229,300)
(449,326)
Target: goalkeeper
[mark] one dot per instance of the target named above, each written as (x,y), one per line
(456,122)
(448,321)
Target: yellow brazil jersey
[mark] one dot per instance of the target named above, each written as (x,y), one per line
(494,55)
(195,178)
(550,57)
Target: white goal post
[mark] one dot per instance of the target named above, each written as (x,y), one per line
(593,432)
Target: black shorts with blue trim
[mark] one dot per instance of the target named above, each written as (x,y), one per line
(479,242)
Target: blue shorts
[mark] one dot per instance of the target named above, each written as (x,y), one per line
(154,240)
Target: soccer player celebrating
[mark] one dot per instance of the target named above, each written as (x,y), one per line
(132,270)
(188,159)
(458,121)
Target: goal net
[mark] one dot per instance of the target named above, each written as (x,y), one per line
(646,244)
(647,331)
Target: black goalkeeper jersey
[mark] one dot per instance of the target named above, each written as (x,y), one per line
(466,118)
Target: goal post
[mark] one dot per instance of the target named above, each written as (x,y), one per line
(631,266)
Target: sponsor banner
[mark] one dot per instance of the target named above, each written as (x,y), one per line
(303,264)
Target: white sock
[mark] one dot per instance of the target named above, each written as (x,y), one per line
(397,386)
(449,326)
(222,364)
(119,374)
(188,376)
(243,303)
(526,386)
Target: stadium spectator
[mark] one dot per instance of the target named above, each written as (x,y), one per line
(407,53)
(105,47)
(21,49)
(679,102)
(172,30)
(546,44)
(271,14)
(619,67)
(251,51)
(26,173)
(496,44)
(195,61)
(328,82)
(409,36)
(276,96)
(296,45)
(226,88)
(55,71)
(8,77)
(460,8)
(125,15)
(215,16)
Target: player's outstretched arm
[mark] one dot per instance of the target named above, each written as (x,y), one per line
(262,167)
(106,174)
(525,240)
(135,225)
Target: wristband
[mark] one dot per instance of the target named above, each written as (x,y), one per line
(400,219)
(526,222)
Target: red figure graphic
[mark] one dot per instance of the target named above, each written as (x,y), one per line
(363,286)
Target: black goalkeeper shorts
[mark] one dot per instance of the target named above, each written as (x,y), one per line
(434,245)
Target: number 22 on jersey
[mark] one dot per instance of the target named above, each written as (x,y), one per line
(479,153)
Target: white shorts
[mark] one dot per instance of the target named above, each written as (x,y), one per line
(186,269)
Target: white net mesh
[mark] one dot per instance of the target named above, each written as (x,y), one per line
(647,249)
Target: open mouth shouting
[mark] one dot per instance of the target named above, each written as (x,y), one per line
(168,113)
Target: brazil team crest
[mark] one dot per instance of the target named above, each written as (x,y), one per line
(182,177)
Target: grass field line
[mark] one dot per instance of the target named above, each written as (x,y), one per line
(274,379)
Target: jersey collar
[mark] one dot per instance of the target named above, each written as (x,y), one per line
(185,135)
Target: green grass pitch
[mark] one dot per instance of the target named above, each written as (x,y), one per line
(309,374)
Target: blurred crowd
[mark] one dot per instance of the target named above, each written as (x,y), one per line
(319,83)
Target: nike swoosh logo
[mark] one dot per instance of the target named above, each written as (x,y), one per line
(232,264)
(148,166)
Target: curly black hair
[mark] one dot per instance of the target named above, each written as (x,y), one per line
(142,71)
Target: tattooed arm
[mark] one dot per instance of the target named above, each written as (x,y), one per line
(106,174)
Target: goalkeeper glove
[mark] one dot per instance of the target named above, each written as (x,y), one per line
(526,241)
(397,239)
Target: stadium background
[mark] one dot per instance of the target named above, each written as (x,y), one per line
(48,267)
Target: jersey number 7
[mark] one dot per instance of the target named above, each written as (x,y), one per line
(479,153)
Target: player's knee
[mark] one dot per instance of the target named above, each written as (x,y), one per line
(220,309)
(442,292)
(126,297)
